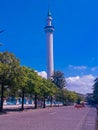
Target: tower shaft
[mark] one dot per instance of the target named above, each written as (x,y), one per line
(49,29)
(50,59)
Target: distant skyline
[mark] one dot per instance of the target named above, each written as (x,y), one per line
(75,37)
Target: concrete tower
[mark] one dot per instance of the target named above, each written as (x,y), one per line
(49,29)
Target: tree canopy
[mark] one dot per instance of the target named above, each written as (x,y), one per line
(58,79)
(25,81)
(95,91)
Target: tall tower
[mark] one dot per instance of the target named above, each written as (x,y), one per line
(49,29)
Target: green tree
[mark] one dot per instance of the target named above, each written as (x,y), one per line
(9,65)
(53,90)
(37,88)
(22,80)
(72,97)
(58,79)
(47,89)
(95,90)
(62,96)
(28,83)
(44,88)
(34,84)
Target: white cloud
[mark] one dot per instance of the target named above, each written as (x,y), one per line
(43,74)
(81,84)
(78,67)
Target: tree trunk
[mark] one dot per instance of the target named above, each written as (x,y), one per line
(51,100)
(44,105)
(22,107)
(35,101)
(2,93)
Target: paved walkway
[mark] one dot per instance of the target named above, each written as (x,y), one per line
(56,118)
(90,120)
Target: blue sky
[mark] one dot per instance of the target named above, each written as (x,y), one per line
(75,36)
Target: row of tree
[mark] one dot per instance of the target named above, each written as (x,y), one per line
(24,81)
(92,98)
(95,92)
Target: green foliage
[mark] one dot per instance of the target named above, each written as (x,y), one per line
(8,68)
(90,99)
(58,79)
(95,92)
(65,96)
(16,80)
(72,96)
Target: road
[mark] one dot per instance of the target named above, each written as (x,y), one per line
(56,118)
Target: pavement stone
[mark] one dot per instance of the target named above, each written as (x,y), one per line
(55,118)
(90,120)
